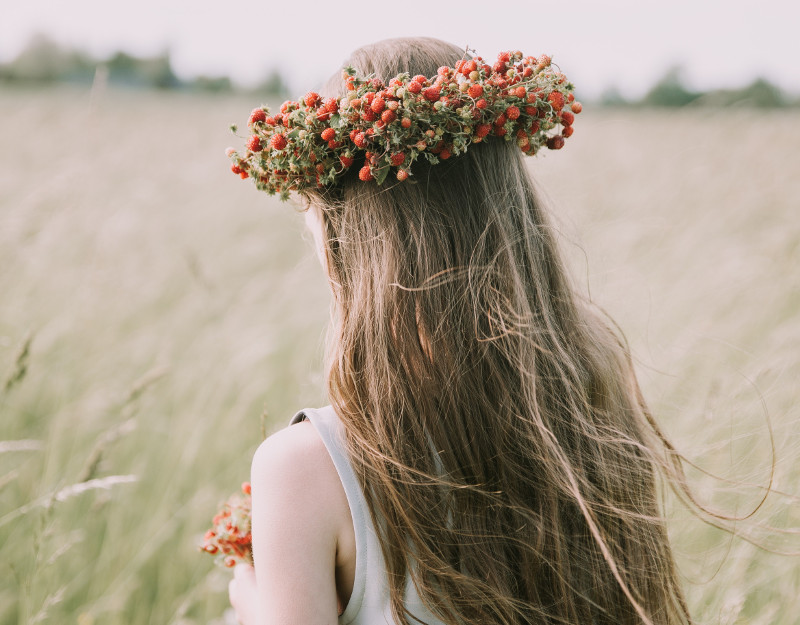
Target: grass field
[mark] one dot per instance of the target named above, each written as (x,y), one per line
(158,315)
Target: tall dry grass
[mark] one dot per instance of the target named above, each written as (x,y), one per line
(154,307)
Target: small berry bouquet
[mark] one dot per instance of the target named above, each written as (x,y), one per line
(229,539)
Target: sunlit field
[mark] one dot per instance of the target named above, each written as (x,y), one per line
(159,317)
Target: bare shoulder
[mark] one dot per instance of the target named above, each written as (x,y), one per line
(299,512)
(291,455)
(293,468)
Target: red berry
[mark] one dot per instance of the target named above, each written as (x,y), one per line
(504,57)
(469,66)
(420,79)
(482,130)
(481,104)
(254,144)
(257,115)
(387,117)
(360,140)
(499,68)
(555,143)
(331,105)
(445,154)
(567,118)
(243,175)
(406,122)
(534,126)
(475,91)
(378,104)
(431,94)
(556,99)
(236,169)
(519,92)
(501,121)
(365,174)
(414,87)
(311,98)
(568,130)
(368,115)
(278,141)
(531,110)
(402,174)
(328,134)
(512,112)
(333,144)
(346,160)
(398,158)
(577,107)
(500,131)
(246,488)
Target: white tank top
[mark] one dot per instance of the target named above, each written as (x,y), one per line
(369,603)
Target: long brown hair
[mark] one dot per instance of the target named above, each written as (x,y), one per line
(491,412)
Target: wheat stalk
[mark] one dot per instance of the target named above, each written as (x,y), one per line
(103,441)
(105,483)
(148,379)
(20,364)
(49,602)
(25,444)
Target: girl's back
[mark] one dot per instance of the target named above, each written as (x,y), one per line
(497,461)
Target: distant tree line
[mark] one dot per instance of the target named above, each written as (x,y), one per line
(44,62)
(671,91)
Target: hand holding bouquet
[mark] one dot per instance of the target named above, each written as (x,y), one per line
(229,539)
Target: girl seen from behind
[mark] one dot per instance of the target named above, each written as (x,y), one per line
(487,456)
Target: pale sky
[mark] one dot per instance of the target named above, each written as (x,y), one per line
(627,43)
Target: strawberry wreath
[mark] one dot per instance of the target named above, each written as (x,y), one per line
(382,129)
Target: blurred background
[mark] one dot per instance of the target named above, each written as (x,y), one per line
(159,317)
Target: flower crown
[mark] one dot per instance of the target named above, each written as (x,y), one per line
(383,128)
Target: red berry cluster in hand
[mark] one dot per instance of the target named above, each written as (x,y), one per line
(229,538)
(378,128)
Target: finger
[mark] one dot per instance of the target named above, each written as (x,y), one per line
(232,585)
(242,571)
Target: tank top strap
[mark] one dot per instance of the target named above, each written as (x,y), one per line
(327,424)
(369,602)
